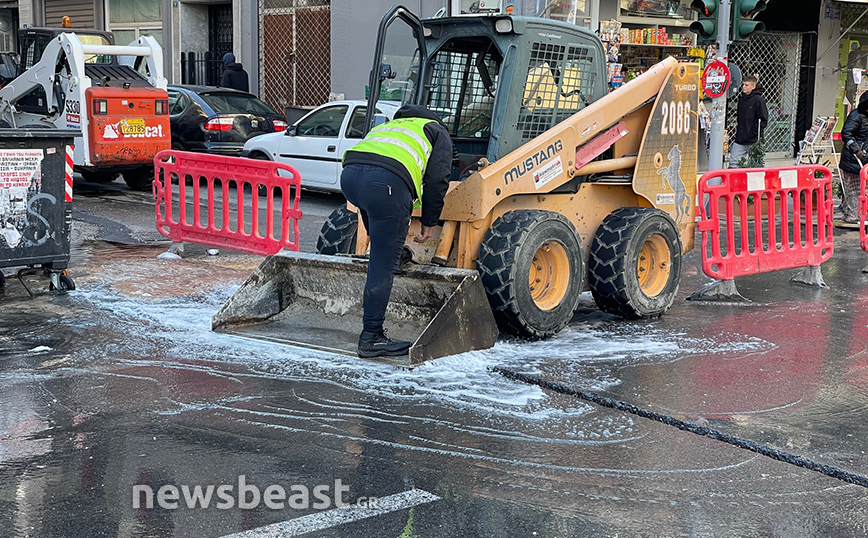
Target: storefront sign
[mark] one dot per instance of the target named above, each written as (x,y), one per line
(716,79)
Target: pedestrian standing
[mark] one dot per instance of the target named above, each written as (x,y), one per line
(752,118)
(385,176)
(234,75)
(853,157)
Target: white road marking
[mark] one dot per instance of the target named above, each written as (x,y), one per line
(338,516)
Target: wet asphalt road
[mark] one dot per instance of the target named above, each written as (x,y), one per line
(122,383)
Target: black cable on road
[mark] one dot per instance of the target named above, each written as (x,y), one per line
(792,459)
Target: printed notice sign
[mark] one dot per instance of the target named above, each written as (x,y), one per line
(20,185)
(20,167)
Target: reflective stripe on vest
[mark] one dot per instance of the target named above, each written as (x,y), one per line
(403,140)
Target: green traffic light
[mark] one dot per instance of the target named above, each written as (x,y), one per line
(742,23)
(706,25)
(704,28)
(705,7)
(745,28)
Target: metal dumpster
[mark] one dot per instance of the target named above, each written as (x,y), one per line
(35,203)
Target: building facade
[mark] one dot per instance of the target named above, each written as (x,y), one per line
(300,53)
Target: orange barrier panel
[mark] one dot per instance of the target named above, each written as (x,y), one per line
(773,219)
(863,208)
(231,220)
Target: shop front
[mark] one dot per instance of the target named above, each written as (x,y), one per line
(852,56)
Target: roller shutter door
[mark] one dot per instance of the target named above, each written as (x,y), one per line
(81,13)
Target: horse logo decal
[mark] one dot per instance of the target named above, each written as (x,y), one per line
(672,178)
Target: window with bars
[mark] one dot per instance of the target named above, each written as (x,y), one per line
(463,95)
(560,82)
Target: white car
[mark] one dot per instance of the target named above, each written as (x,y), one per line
(316,143)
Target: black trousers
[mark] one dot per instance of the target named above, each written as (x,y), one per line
(385,203)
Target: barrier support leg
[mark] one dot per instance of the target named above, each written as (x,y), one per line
(718,290)
(865,269)
(175,252)
(809,276)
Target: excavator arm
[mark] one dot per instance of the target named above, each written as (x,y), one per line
(569,149)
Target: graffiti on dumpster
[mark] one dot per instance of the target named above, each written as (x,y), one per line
(21,223)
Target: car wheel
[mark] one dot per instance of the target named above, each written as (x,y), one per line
(259,156)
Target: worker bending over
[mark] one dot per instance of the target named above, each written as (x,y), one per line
(400,165)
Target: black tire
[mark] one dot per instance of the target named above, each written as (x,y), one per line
(177,145)
(628,237)
(259,156)
(66,284)
(140,179)
(338,234)
(532,240)
(98,177)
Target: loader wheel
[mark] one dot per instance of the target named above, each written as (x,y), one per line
(532,269)
(98,177)
(338,234)
(140,179)
(635,264)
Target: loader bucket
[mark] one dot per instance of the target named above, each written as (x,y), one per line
(315,301)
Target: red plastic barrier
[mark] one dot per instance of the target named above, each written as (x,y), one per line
(788,225)
(863,208)
(234,226)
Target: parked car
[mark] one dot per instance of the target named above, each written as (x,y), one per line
(315,144)
(218,120)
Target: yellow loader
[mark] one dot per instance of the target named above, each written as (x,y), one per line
(561,187)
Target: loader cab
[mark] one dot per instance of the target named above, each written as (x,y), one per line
(496,81)
(32,43)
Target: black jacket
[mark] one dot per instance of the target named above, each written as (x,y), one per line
(855,135)
(234,76)
(753,116)
(435,182)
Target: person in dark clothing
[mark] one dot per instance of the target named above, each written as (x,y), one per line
(853,157)
(752,118)
(234,75)
(385,176)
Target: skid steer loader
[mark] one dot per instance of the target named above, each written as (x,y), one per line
(114,96)
(561,187)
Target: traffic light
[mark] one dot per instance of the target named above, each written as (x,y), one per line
(742,24)
(706,25)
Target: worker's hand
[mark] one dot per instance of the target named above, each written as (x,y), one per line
(861,155)
(424,235)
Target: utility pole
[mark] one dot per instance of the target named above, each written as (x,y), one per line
(718,109)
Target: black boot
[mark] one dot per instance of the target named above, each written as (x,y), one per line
(378,345)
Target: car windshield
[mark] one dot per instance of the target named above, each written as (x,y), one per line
(236,103)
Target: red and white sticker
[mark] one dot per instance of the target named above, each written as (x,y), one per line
(548,172)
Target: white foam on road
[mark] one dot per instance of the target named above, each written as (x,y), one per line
(176,333)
